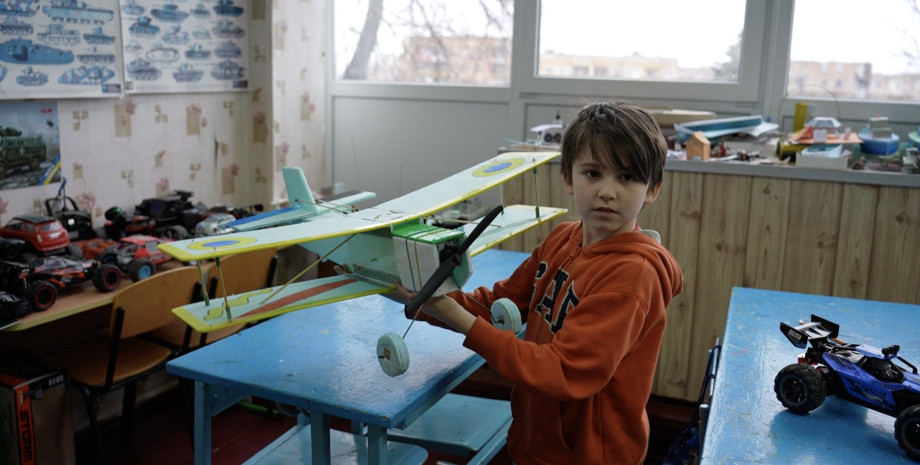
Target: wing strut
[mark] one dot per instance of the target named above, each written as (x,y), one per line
(536,192)
(223,285)
(295,278)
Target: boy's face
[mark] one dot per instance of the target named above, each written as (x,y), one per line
(609,201)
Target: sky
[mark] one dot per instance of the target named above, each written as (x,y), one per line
(698,34)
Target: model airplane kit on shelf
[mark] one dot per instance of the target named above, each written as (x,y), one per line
(379,245)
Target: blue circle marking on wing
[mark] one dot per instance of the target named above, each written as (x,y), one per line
(220,243)
(497,167)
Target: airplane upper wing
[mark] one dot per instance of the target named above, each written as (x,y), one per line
(422,202)
(513,220)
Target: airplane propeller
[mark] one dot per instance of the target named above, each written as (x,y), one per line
(392,352)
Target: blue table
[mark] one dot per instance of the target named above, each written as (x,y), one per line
(323,360)
(747,424)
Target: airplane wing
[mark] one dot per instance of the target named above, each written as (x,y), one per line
(248,306)
(515,219)
(423,202)
(296,214)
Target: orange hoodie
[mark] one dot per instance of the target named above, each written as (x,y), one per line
(583,373)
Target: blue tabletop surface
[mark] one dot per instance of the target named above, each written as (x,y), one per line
(749,425)
(324,358)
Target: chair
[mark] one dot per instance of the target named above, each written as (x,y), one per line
(688,446)
(242,273)
(123,356)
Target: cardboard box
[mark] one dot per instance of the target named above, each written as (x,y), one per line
(37,412)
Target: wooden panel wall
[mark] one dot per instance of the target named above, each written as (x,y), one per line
(845,240)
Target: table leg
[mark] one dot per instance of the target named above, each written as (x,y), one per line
(376,445)
(202,423)
(320,438)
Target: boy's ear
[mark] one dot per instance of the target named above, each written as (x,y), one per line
(652,194)
(568,187)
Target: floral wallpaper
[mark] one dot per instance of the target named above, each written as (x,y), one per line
(298,88)
(226,147)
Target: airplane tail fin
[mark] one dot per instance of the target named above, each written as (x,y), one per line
(297,189)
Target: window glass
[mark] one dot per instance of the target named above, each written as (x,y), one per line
(425,41)
(668,39)
(851,49)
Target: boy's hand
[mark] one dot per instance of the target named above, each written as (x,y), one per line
(443,308)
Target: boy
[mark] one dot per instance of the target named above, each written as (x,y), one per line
(593,294)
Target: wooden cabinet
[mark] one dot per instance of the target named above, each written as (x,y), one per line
(800,235)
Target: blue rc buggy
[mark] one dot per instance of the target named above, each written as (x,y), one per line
(858,373)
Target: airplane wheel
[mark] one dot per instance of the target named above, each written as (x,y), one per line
(505,315)
(392,354)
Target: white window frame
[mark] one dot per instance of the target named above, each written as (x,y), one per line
(745,90)
(782,107)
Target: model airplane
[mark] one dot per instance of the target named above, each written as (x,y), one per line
(379,245)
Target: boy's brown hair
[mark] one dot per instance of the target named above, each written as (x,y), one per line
(620,135)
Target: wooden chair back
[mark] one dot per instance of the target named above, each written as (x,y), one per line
(148,303)
(243,272)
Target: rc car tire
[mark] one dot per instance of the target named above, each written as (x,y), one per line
(177,232)
(108,256)
(29,258)
(74,250)
(800,388)
(907,431)
(107,277)
(41,295)
(140,269)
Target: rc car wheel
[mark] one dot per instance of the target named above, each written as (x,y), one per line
(29,258)
(140,269)
(2,170)
(176,232)
(35,164)
(108,256)
(75,251)
(907,431)
(800,388)
(41,295)
(107,277)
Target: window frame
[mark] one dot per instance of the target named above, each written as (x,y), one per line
(745,90)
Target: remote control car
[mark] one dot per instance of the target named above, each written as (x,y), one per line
(43,235)
(78,223)
(136,255)
(216,223)
(12,307)
(39,283)
(858,373)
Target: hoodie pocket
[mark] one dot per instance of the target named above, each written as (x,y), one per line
(547,441)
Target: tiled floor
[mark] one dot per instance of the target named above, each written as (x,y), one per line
(161,436)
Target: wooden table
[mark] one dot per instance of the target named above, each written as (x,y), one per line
(82,298)
(323,361)
(747,424)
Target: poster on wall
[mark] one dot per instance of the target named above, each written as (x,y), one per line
(185,47)
(59,49)
(30,149)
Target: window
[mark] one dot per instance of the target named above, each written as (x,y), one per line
(882,64)
(638,37)
(432,41)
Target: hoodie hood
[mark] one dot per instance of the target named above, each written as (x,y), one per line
(645,243)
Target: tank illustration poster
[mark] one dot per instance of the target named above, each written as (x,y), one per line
(59,49)
(30,149)
(194,46)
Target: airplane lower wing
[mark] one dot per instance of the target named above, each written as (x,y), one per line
(248,307)
(515,219)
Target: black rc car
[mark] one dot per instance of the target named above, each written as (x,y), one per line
(861,374)
(39,283)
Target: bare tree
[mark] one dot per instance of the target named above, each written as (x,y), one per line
(357,68)
(911,45)
(436,46)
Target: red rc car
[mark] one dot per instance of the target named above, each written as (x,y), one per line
(39,283)
(43,235)
(137,255)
